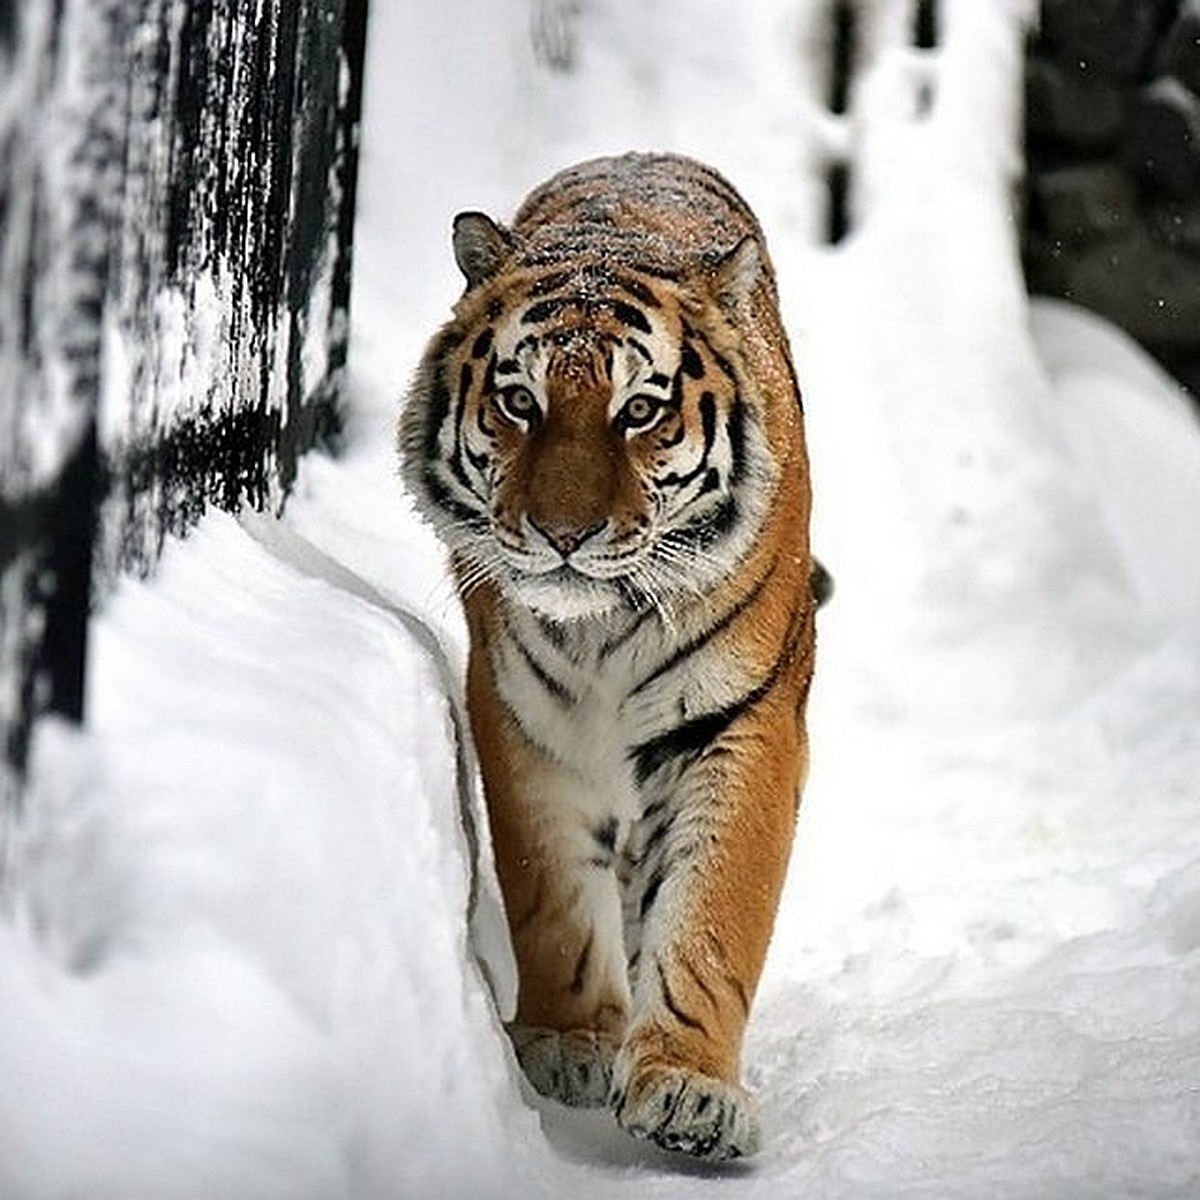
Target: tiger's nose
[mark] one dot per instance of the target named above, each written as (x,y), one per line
(566,539)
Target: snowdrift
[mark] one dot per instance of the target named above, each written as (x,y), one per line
(245,952)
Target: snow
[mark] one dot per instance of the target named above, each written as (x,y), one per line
(239,948)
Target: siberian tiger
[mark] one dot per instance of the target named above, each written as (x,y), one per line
(608,436)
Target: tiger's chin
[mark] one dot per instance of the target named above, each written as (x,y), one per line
(566,595)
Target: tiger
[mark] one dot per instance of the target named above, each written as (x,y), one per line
(608,437)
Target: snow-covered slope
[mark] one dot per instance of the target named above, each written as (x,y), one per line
(238,957)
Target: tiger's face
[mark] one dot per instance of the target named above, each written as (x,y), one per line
(590,446)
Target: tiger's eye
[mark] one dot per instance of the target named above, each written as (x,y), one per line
(518,405)
(639,412)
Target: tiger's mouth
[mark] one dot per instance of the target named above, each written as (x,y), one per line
(586,581)
(565,592)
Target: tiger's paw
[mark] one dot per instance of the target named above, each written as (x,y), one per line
(573,1067)
(685,1111)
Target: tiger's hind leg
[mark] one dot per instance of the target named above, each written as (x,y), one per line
(711,858)
(555,839)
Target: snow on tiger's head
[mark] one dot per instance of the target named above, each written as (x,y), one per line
(584,432)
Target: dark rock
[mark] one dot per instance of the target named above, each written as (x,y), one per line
(1185,366)
(1046,261)
(1140,284)
(1181,53)
(1111,37)
(1112,125)
(1065,104)
(1178,225)
(1162,139)
(1083,203)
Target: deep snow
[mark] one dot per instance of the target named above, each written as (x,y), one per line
(235,959)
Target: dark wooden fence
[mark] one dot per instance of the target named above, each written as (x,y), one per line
(176,206)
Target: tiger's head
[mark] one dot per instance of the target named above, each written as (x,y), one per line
(585,433)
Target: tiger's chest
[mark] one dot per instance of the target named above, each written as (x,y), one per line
(600,697)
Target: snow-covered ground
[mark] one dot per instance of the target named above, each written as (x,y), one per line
(239,955)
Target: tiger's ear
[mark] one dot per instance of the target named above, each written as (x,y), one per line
(481,247)
(731,280)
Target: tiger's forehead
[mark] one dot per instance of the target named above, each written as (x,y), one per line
(587,323)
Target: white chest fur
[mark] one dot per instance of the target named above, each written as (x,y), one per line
(591,693)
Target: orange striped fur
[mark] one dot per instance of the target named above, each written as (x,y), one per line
(608,435)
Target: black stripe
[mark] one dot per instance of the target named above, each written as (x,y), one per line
(677,391)
(550,283)
(520,923)
(672,1005)
(650,894)
(581,965)
(439,413)
(712,525)
(552,631)
(701,982)
(478,461)
(638,290)
(605,834)
(690,363)
(653,846)
(461,476)
(708,423)
(717,185)
(439,392)
(669,274)
(446,344)
(555,687)
(689,648)
(481,423)
(482,344)
(507,366)
(543,310)
(634,344)
(659,816)
(465,378)
(722,362)
(735,430)
(448,502)
(687,742)
(630,315)
(658,379)
(739,990)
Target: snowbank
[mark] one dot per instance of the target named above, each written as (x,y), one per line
(237,961)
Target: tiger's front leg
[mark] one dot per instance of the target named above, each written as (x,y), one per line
(555,839)
(712,850)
